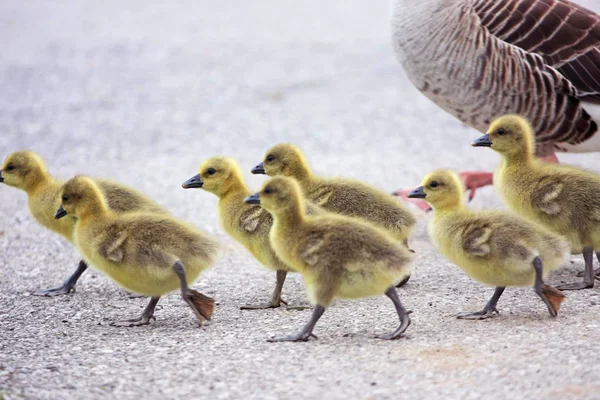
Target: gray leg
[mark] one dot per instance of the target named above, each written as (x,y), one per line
(402,314)
(588,274)
(202,305)
(306,332)
(143,319)
(550,296)
(276,299)
(489,309)
(67,287)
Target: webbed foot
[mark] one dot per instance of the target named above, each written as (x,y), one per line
(56,291)
(576,286)
(139,321)
(301,337)
(478,315)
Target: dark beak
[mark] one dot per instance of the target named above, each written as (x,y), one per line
(483,141)
(418,193)
(259,169)
(193,182)
(60,212)
(252,199)
(1,177)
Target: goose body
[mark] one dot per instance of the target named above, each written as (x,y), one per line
(480,59)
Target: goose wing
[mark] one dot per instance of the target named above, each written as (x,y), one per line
(566,35)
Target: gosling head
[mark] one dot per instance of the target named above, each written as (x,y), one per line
(442,188)
(23,170)
(283,160)
(277,195)
(508,135)
(216,175)
(80,197)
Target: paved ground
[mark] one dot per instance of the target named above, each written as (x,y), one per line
(142,93)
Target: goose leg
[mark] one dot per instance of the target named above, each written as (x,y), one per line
(489,309)
(588,274)
(276,299)
(143,319)
(67,287)
(200,304)
(306,332)
(402,314)
(550,296)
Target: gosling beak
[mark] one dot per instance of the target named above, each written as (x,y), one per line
(1,177)
(193,182)
(259,169)
(418,193)
(60,212)
(483,141)
(252,199)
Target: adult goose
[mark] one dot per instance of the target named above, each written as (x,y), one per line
(481,59)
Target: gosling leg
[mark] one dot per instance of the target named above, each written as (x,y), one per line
(202,305)
(596,271)
(143,319)
(489,309)
(552,297)
(402,314)
(67,287)
(276,299)
(306,332)
(588,273)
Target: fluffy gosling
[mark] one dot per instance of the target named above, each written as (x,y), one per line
(337,256)
(26,171)
(492,247)
(249,224)
(563,198)
(146,253)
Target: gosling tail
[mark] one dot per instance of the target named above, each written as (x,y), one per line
(554,296)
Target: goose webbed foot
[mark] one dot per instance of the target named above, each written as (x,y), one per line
(403,194)
(488,311)
(276,300)
(67,287)
(474,180)
(589,274)
(264,306)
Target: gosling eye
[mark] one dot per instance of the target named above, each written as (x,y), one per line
(10,167)
(268,190)
(65,198)
(211,171)
(434,184)
(501,132)
(270,158)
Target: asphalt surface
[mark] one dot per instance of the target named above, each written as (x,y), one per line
(143,93)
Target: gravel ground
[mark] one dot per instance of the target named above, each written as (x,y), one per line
(143,93)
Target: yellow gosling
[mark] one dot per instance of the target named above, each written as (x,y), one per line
(565,199)
(338,256)
(493,247)
(26,171)
(146,253)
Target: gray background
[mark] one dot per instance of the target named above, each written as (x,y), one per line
(143,93)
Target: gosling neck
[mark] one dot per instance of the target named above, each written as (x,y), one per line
(290,216)
(37,179)
(233,188)
(522,157)
(449,205)
(95,209)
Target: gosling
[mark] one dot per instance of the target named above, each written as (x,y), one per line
(341,196)
(249,224)
(337,256)
(492,247)
(25,170)
(564,199)
(146,253)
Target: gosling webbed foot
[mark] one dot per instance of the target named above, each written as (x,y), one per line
(403,281)
(398,332)
(128,323)
(56,291)
(576,286)
(581,274)
(201,304)
(300,337)
(67,287)
(478,315)
(264,306)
